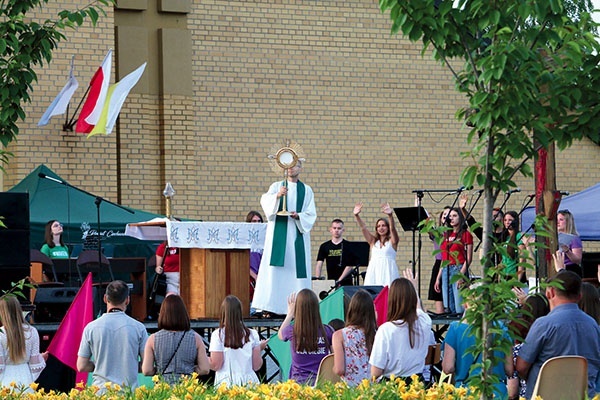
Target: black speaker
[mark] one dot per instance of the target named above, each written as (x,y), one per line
(51,304)
(14,240)
(14,207)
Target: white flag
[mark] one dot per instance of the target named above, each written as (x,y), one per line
(61,102)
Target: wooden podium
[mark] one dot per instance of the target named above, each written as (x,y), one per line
(207,276)
(214,259)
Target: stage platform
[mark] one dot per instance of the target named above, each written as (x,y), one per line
(198,325)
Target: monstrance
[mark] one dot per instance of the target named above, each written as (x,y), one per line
(284,158)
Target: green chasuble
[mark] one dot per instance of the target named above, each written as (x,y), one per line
(280,236)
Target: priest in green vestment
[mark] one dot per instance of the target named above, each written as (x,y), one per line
(286,262)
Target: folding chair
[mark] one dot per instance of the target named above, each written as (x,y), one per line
(563,377)
(434,355)
(88,262)
(325,373)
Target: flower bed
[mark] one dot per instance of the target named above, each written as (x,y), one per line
(190,389)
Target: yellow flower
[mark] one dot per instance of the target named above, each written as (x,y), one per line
(222,390)
(461,391)
(155,378)
(33,386)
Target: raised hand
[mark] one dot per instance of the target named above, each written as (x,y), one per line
(386,209)
(521,295)
(462,200)
(358,208)
(559,260)
(291,304)
(408,274)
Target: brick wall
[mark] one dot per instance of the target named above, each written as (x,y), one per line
(375,119)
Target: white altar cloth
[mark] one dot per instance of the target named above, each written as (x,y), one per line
(216,235)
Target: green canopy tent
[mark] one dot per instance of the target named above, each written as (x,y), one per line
(77,211)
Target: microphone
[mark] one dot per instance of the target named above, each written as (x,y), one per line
(44,176)
(515,190)
(564,193)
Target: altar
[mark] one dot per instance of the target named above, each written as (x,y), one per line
(214,261)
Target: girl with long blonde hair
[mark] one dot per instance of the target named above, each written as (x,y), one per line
(20,358)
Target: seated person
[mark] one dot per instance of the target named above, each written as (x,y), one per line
(458,361)
(566,330)
(54,247)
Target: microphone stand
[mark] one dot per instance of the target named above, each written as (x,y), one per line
(506,197)
(469,212)
(98,201)
(417,261)
(531,197)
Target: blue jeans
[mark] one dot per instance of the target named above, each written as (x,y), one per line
(450,293)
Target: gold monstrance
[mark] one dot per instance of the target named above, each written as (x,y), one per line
(284,158)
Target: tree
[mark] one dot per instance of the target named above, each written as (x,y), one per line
(25,45)
(528,70)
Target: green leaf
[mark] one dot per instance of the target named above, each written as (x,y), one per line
(93,15)
(468,176)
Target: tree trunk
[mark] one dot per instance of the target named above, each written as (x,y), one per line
(547,201)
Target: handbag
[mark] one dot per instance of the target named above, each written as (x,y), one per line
(159,283)
(159,286)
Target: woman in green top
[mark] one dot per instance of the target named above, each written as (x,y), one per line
(54,247)
(513,240)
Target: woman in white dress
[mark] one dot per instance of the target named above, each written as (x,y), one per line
(382,268)
(20,358)
(235,349)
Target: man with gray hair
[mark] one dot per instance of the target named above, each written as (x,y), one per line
(115,341)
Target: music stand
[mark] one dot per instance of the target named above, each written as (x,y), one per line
(410,218)
(359,256)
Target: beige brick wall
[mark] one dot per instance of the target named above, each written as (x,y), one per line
(375,119)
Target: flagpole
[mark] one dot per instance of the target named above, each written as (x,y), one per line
(65,125)
(68,126)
